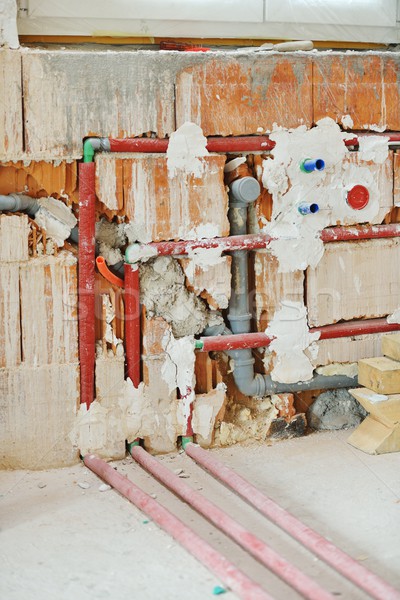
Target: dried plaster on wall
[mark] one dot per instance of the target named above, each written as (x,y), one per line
(328,188)
(292,337)
(56,218)
(186,147)
(164,294)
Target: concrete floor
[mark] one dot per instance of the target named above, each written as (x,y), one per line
(61,541)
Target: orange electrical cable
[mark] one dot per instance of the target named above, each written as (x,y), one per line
(105,271)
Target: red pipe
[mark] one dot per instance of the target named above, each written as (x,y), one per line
(260,241)
(232,577)
(365,232)
(316,543)
(86,281)
(251,143)
(239,341)
(266,555)
(132,323)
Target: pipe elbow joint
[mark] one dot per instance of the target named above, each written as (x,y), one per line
(312,164)
(92,145)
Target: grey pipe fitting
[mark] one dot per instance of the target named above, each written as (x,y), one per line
(19,203)
(246,189)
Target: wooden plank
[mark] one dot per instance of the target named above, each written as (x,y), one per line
(364,86)
(11,137)
(38,410)
(380,374)
(160,207)
(10,330)
(14,235)
(354,280)
(391,346)
(272,287)
(237,96)
(382,408)
(49,310)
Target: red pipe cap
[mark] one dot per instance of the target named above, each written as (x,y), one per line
(358,197)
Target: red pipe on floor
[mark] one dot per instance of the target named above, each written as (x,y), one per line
(132,323)
(231,576)
(343,563)
(86,281)
(261,551)
(239,341)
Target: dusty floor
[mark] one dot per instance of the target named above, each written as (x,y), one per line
(59,540)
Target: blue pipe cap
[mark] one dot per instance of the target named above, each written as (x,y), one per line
(312,164)
(308,209)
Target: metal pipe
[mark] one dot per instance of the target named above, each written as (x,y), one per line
(257,548)
(221,343)
(86,280)
(132,323)
(231,576)
(135,252)
(343,563)
(19,202)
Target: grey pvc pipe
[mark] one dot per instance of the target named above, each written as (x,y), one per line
(19,203)
(242,192)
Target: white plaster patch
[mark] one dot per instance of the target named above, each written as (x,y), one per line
(205,257)
(375,127)
(139,252)
(394,317)
(292,337)
(56,218)
(372,396)
(347,122)
(187,146)
(178,368)
(201,232)
(374,147)
(347,369)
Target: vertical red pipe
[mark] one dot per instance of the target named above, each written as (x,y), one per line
(86,279)
(132,323)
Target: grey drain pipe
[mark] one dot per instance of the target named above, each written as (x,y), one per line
(19,203)
(242,193)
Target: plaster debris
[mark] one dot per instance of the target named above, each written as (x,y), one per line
(328,188)
(347,122)
(374,147)
(84,485)
(375,127)
(104,487)
(186,147)
(347,369)
(246,423)
(394,317)
(205,258)
(201,232)
(56,218)
(335,409)
(205,410)
(289,327)
(164,294)
(139,252)
(111,237)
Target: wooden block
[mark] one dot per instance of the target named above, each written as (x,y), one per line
(380,431)
(347,350)
(38,410)
(391,346)
(164,208)
(360,85)
(49,323)
(354,280)
(10,329)
(14,235)
(11,128)
(211,282)
(237,96)
(381,374)
(137,96)
(272,287)
(40,178)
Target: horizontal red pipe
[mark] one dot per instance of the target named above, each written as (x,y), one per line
(260,241)
(266,555)
(252,143)
(231,576)
(239,341)
(86,281)
(363,232)
(343,563)
(132,323)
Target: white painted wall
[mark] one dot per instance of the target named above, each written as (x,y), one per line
(346,20)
